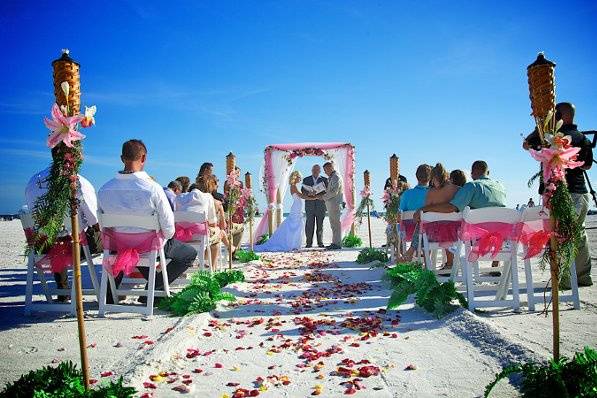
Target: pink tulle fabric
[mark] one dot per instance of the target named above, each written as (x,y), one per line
(128,247)
(408,227)
(488,238)
(443,232)
(185,231)
(534,236)
(60,256)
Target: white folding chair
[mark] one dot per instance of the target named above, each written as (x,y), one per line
(507,253)
(200,242)
(535,217)
(149,260)
(50,305)
(431,245)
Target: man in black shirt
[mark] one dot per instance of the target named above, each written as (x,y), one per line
(575,180)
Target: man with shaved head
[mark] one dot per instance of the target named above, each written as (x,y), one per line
(314,209)
(575,180)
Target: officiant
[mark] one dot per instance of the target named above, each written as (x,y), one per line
(314,209)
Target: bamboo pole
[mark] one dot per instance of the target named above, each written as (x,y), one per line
(230,168)
(541,80)
(249,185)
(367,181)
(65,69)
(279,207)
(394,177)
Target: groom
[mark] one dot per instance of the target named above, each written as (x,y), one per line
(333,200)
(314,209)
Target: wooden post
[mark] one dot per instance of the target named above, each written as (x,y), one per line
(367,180)
(65,69)
(249,185)
(279,207)
(230,166)
(394,177)
(541,79)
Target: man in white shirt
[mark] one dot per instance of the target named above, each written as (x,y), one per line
(38,186)
(132,191)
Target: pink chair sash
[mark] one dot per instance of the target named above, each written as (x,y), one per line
(128,247)
(488,238)
(534,236)
(408,227)
(186,230)
(445,232)
(60,256)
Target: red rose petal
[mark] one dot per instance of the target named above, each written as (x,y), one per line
(106,374)
(148,384)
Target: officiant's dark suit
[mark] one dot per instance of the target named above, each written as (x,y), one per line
(315,211)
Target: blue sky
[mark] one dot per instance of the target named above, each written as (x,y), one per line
(429,81)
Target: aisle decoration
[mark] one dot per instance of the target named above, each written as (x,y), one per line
(250,207)
(556,156)
(246,256)
(64,380)
(366,205)
(391,201)
(51,208)
(234,195)
(369,255)
(352,240)
(557,378)
(203,293)
(413,278)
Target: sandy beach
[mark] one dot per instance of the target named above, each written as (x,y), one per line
(260,335)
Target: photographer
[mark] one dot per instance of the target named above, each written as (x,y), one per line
(575,180)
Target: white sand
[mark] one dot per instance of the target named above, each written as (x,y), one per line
(455,356)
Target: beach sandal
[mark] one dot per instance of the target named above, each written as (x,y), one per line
(445,269)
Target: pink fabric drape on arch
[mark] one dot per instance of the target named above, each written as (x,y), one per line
(272,185)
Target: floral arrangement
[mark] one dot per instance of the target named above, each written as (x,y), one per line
(65,141)
(555,157)
(391,201)
(351,240)
(368,255)
(297,153)
(362,209)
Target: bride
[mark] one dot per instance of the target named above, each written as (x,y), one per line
(289,235)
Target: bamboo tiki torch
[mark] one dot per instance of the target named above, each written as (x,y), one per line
(367,181)
(249,186)
(230,166)
(394,175)
(65,69)
(541,77)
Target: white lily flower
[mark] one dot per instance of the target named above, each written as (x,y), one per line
(65,88)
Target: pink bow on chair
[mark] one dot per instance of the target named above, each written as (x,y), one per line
(186,230)
(489,237)
(128,247)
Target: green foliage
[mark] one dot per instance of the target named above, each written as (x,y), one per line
(244,256)
(567,228)
(558,379)
(50,208)
(361,211)
(412,278)
(202,294)
(351,240)
(262,239)
(368,255)
(63,381)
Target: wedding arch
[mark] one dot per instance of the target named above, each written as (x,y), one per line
(279,162)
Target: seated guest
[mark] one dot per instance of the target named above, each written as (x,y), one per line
(206,170)
(133,192)
(457,177)
(442,190)
(413,199)
(208,185)
(173,189)
(38,186)
(184,182)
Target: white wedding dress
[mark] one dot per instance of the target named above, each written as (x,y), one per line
(289,235)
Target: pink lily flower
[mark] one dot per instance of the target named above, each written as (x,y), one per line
(556,160)
(63,128)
